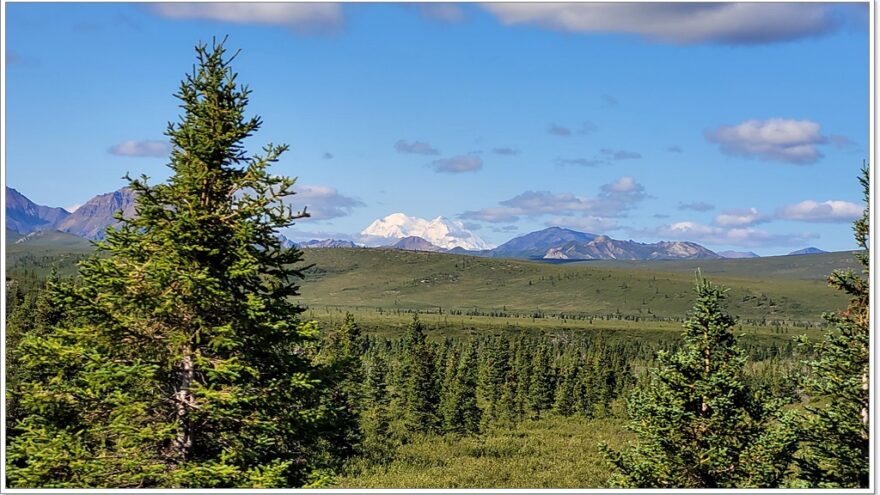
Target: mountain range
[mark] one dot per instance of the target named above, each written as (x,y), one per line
(441,232)
(88,221)
(395,231)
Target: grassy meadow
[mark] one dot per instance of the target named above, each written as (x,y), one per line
(551,452)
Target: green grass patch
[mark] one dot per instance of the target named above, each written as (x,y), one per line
(553,452)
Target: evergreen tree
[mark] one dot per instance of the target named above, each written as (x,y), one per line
(837,443)
(186,364)
(540,381)
(420,398)
(375,421)
(448,406)
(341,362)
(521,371)
(698,424)
(463,415)
(564,402)
(495,368)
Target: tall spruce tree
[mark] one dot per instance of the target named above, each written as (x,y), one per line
(420,394)
(837,443)
(462,414)
(541,384)
(698,424)
(342,371)
(187,364)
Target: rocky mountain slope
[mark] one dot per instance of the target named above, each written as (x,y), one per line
(809,250)
(24,216)
(606,248)
(416,243)
(92,218)
(536,244)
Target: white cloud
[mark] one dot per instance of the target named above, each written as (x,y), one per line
(729,236)
(696,206)
(614,200)
(415,147)
(558,130)
(458,164)
(724,23)
(301,17)
(740,218)
(506,151)
(588,223)
(826,211)
(625,184)
(324,202)
(805,211)
(443,12)
(583,162)
(787,140)
(613,154)
(148,148)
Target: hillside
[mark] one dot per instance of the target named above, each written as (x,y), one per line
(773,288)
(417,280)
(802,267)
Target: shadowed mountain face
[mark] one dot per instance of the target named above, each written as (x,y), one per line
(24,216)
(536,244)
(90,219)
(416,243)
(809,250)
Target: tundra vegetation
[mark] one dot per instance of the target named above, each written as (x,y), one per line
(179,355)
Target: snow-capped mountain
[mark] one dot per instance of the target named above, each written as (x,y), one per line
(440,231)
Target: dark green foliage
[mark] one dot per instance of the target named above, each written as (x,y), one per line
(420,394)
(463,415)
(494,365)
(340,358)
(541,384)
(184,363)
(836,437)
(698,424)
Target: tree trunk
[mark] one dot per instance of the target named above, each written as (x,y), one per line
(184,399)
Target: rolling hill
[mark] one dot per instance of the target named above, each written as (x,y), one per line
(771,288)
(419,280)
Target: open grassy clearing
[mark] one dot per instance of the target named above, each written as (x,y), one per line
(551,452)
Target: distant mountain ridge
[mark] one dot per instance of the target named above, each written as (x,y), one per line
(536,244)
(88,221)
(554,243)
(606,248)
(325,244)
(24,216)
(738,254)
(92,218)
(809,250)
(441,231)
(416,243)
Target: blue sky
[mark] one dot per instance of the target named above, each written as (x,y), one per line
(738,126)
